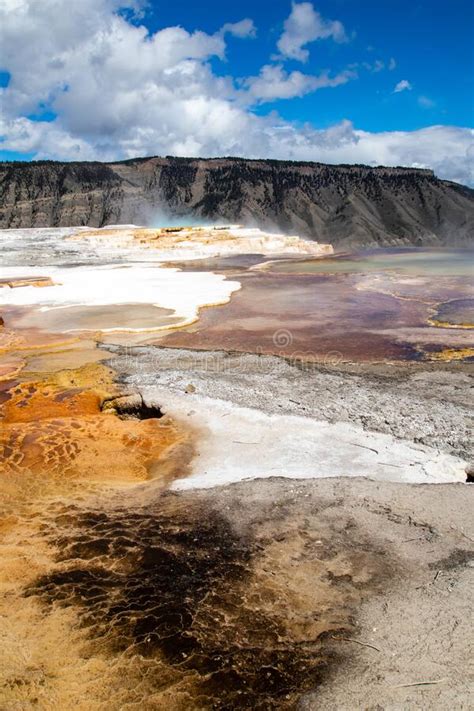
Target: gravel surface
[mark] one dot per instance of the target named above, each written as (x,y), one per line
(429,405)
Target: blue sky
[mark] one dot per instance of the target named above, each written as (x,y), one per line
(335,80)
(431,42)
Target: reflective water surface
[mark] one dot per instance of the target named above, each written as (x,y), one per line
(415,261)
(387,305)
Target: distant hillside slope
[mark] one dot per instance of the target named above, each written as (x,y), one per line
(346,205)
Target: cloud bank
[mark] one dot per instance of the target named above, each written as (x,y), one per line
(100,86)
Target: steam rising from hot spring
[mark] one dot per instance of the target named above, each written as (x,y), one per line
(161,218)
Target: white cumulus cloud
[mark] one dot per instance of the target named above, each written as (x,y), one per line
(242,29)
(116,91)
(274,82)
(305,25)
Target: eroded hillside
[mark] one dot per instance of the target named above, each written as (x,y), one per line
(342,205)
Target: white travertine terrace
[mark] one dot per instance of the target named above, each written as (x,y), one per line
(183,293)
(124,266)
(236,443)
(203,242)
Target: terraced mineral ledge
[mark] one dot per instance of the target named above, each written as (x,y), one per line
(199,529)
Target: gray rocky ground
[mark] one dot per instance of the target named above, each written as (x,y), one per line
(425,403)
(369,582)
(409,616)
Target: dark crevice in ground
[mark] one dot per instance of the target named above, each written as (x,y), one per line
(132,407)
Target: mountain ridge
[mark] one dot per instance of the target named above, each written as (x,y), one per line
(346,205)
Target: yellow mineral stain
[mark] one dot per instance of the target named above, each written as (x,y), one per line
(37,281)
(55,426)
(10,367)
(450,354)
(17,342)
(59,447)
(222,239)
(447,324)
(71,357)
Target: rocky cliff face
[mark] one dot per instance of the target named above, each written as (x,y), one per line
(344,205)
